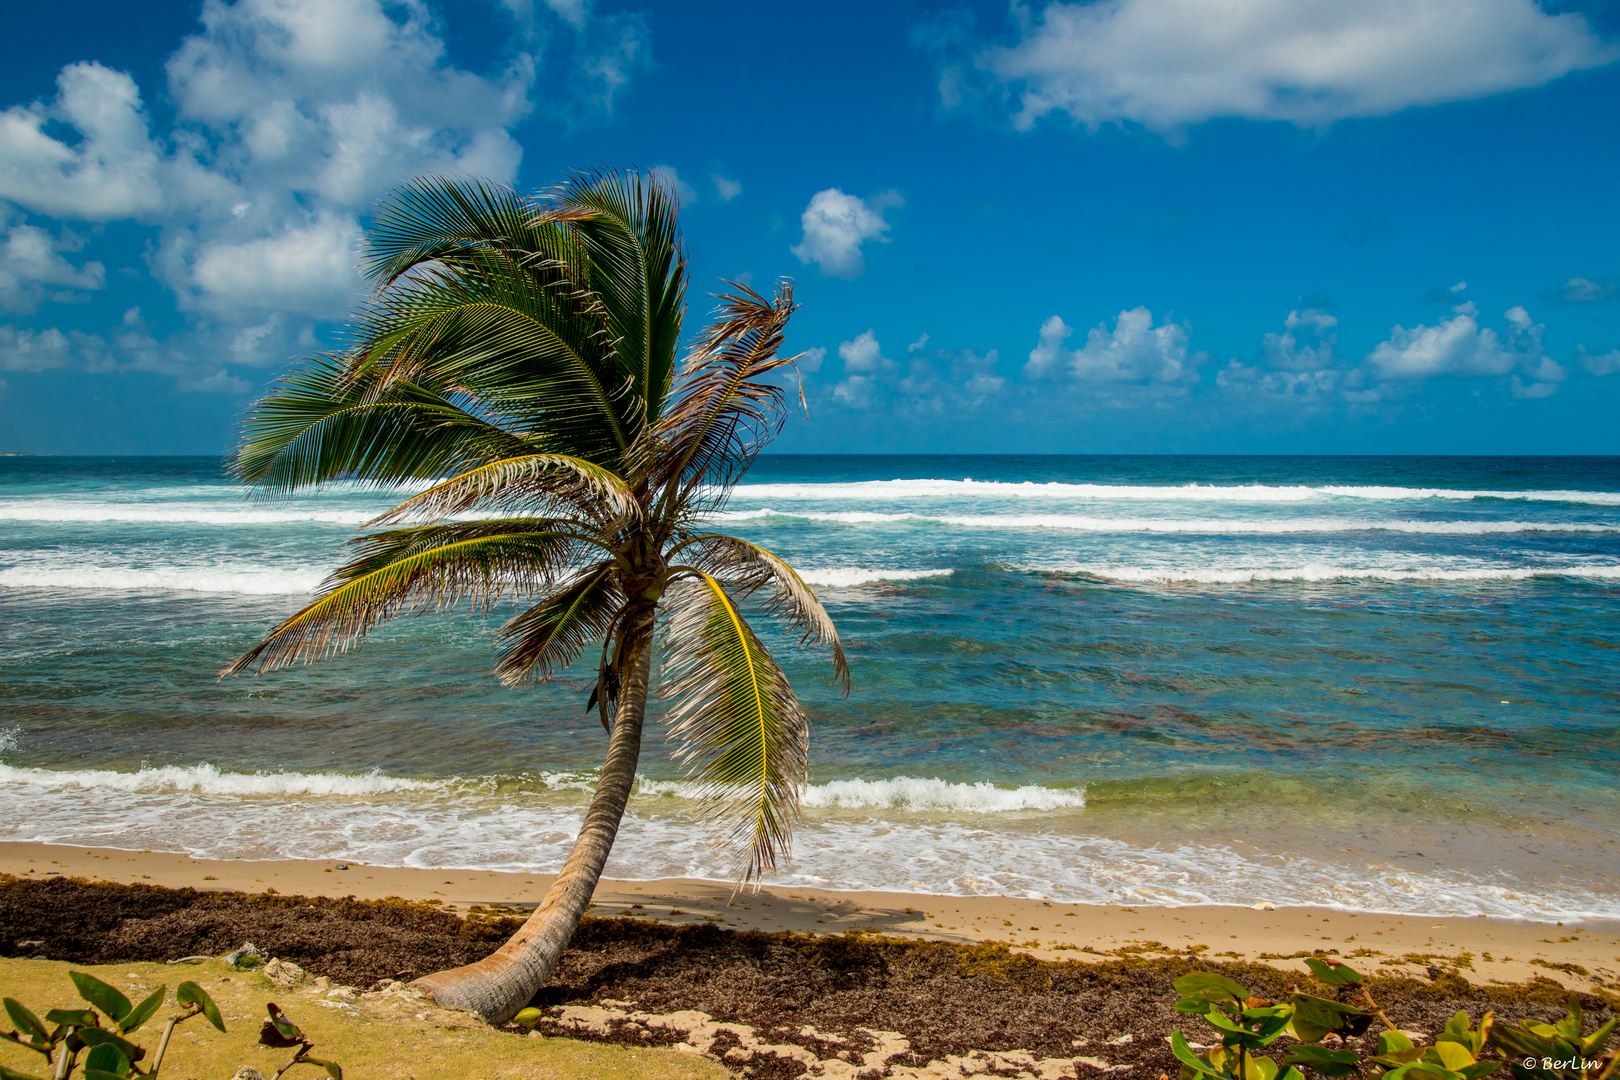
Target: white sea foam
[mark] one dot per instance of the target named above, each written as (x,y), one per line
(205,779)
(843,577)
(906,793)
(1239,493)
(1206,526)
(1323,572)
(391,822)
(267,581)
(65,511)
(248,580)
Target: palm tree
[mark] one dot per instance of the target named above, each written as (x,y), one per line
(526,348)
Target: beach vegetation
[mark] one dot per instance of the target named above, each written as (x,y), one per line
(1323,1027)
(524,357)
(109,1052)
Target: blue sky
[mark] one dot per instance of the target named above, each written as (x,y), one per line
(1270,226)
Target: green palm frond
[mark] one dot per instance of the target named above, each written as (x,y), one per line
(626,222)
(432,567)
(735,722)
(748,568)
(439,219)
(325,422)
(532,484)
(723,412)
(534,353)
(551,635)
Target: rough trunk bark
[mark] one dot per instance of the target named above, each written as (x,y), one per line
(500,985)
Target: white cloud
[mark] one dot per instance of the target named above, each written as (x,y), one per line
(725,189)
(863,354)
(1459,346)
(1135,351)
(683,191)
(31,260)
(112,170)
(835,227)
(810,360)
(42,350)
(1169,63)
(1306,343)
(1606,364)
(307,269)
(855,391)
(1580,290)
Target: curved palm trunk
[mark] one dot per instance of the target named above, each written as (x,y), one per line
(500,985)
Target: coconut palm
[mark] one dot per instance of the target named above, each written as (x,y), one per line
(526,348)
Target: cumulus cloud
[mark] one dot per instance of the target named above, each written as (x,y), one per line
(835,227)
(1306,343)
(31,264)
(1170,63)
(111,170)
(43,350)
(1135,351)
(1580,290)
(725,189)
(291,119)
(1460,346)
(1603,364)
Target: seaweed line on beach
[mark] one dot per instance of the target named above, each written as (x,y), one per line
(831,995)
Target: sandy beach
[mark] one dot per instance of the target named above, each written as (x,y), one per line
(1580,956)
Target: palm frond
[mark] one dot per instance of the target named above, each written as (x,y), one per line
(723,413)
(626,222)
(748,568)
(431,567)
(551,635)
(442,219)
(735,722)
(532,484)
(325,421)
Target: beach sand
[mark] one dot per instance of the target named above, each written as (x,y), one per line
(1580,956)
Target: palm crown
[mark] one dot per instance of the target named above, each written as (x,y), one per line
(526,348)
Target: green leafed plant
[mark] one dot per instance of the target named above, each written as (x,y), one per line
(1248,1025)
(530,349)
(108,1052)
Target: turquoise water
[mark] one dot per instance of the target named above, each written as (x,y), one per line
(1379,683)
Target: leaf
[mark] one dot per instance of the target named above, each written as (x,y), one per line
(1453,1056)
(93,1037)
(99,994)
(100,1074)
(1322,1060)
(749,568)
(736,722)
(106,1058)
(1332,972)
(1593,1044)
(71,1017)
(1210,986)
(190,995)
(1390,1042)
(24,1020)
(141,1013)
(1570,1026)
(279,1031)
(433,567)
(1184,1054)
(1484,1068)
(549,636)
(38,1048)
(333,1069)
(13,1074)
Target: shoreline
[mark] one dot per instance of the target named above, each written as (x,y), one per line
(1580,956)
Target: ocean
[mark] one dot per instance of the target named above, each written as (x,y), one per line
(1370,683)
